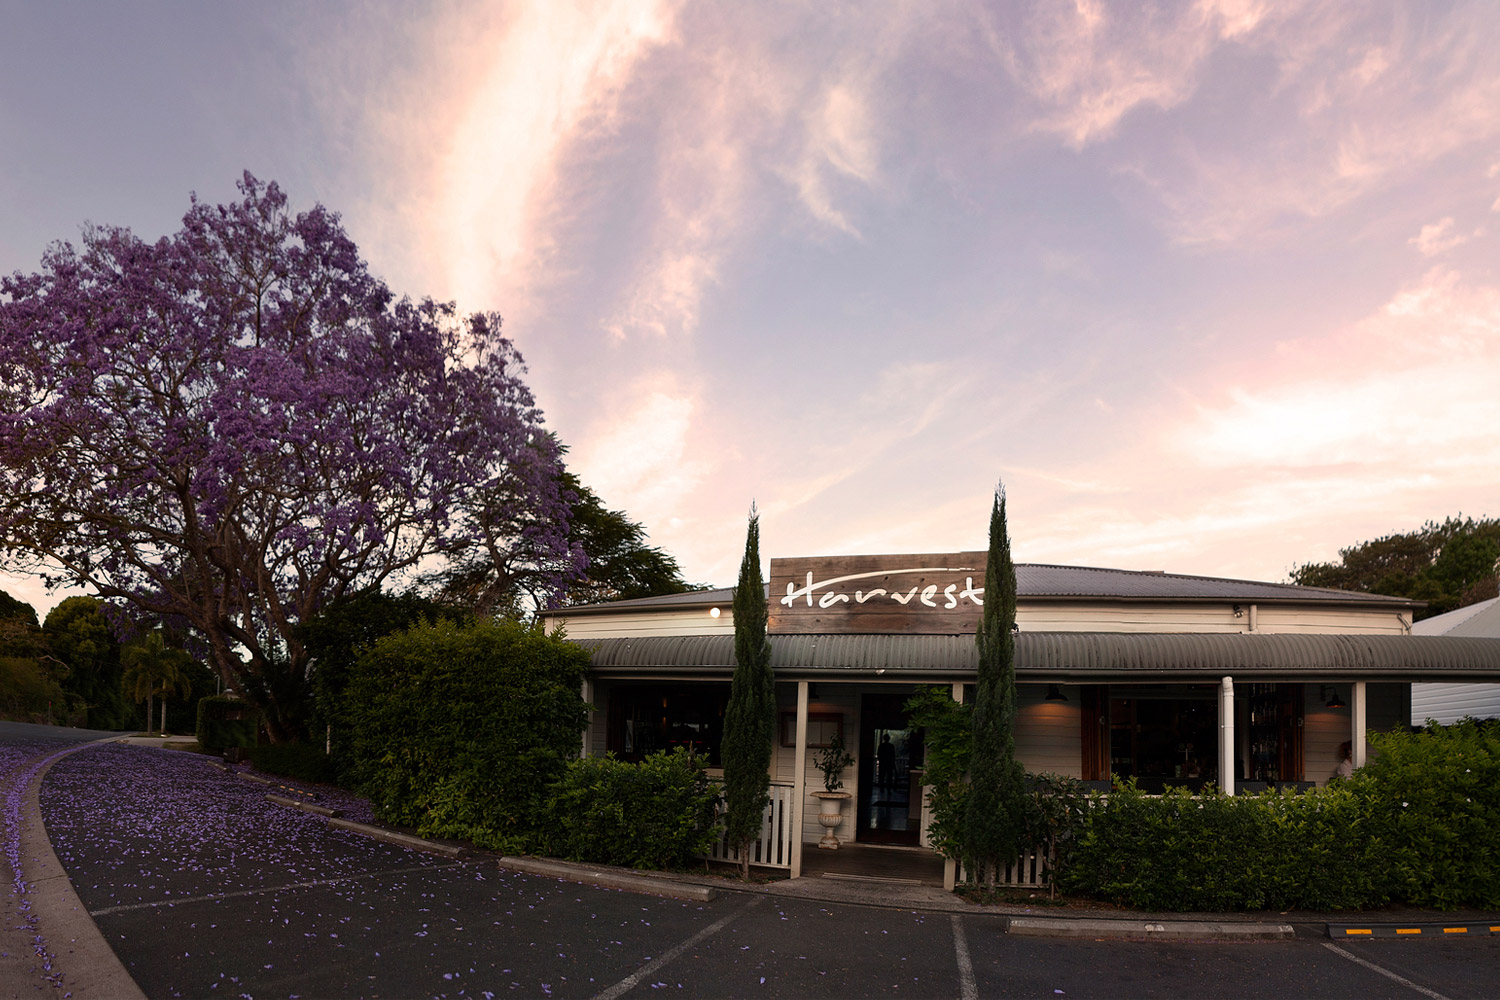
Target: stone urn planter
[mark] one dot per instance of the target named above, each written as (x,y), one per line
(831,761)
(831,816)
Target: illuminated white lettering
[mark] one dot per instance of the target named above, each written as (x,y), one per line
(792,593)
(827,597)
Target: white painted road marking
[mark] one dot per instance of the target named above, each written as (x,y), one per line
(630,982)
(967,990)
(267,890)
(1387,973)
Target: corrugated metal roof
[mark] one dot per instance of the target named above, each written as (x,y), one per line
(1482,619)
(1081,655)
(1036,581)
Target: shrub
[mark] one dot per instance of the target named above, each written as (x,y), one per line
(303,761)
(1431,808)
(225,721)
(1054,810)
(459,730)
(28,693)
(659,813)
(334,639)
(950,744)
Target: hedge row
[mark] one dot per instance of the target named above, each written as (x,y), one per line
(659,813)
(1417,825)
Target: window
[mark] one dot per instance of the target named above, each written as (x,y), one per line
(650,717)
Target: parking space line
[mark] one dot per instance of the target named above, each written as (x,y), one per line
(967,989)
(267,890)
(1387,973)
(630,982)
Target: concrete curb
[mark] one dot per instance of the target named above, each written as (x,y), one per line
(394,837)
(282,800)
(1148,930)
(89,966)
(611,879)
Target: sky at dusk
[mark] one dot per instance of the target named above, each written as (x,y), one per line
(1211,286)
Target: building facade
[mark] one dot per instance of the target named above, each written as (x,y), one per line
(1169,679)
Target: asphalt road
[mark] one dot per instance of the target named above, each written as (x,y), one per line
(204,890)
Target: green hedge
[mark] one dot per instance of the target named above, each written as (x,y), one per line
(659,813)
(459,730)
(1275,850)
(1433,816)
(295,760)
(225,721)
(1416,825)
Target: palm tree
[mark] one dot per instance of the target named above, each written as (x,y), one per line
(152,668)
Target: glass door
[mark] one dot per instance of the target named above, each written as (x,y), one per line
(889,807)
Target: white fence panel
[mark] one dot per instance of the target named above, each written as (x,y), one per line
(773,848)
(1029,871)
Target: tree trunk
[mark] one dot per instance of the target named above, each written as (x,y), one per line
(164,715)
(149,706)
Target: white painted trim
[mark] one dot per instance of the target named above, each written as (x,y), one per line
(1357,724)
(1226,733)
(799,780)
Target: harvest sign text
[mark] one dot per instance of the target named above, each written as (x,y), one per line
(891,593)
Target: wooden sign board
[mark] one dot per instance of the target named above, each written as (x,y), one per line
(906,594)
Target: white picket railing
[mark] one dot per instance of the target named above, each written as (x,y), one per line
(773,848)
(1029,871)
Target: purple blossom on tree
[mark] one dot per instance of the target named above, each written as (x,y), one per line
(239,423)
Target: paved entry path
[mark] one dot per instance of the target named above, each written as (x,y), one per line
(204,889)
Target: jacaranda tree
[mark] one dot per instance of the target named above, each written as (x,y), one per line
(238,423)
(750,716)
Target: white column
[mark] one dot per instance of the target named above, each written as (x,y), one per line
(1357,725)
(799,780)
(950,866)
(1226,735)
(587,693)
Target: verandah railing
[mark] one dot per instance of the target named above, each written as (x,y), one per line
(773,847)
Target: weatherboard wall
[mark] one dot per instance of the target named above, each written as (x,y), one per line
(1041,616)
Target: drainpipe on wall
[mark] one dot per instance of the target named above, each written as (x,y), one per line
(1226,735)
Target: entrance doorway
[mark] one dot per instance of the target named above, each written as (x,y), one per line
(890,801)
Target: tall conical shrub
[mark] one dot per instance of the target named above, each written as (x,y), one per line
(750,717)
(994,820)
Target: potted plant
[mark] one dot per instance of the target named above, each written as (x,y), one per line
(832,760)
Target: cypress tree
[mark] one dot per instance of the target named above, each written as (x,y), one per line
(994,821)
(750,717)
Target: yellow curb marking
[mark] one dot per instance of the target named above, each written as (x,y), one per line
(1408,930)
(1358,930)
(1455,930)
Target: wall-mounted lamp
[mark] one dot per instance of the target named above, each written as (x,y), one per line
(1015,628)
(714,612)
(1055,694)
(1333,700)
(1239,612)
